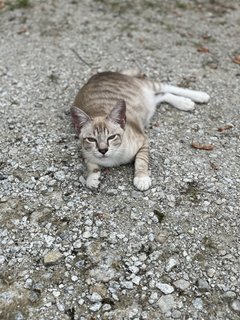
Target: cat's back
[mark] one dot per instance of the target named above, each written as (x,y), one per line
(103,90)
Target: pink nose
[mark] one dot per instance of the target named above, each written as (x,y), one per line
(103,151)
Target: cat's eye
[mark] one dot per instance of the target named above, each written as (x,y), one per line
(112,137)
(89,139)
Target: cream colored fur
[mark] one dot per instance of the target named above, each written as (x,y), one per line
(110,114)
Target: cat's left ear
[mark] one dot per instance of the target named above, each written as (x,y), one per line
(118,113)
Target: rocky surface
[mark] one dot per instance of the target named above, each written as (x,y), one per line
(66,252)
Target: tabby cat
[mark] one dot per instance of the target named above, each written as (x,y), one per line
(110,113)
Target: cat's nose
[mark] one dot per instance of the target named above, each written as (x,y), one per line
(103,151)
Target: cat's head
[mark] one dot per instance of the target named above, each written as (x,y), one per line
(100,136)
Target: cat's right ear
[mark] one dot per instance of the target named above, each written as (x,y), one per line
(118,113)
(79,118)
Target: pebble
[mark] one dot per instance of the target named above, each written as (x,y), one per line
(77,244)
(56,294)
(136,280)
(236,305)
(96,306)
(176,314)
(52,257)
(74,278)
(127,284)
(171,264)
(211,272)
(59,175)
(164,287)
(2,259)
(95,297)
(87,234)
(203,284)
(153,297)
(198,303)
(166,303)
(181,284)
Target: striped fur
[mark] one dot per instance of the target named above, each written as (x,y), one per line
(110,113)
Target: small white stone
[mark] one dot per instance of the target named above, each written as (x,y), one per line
(198,304)
(166,303)
(95,297)
(181,284)
(153,297)
(60,306)
(106,307)
(170,264)
(59,175)
(136,280)
(164,287)
(87,234)
(211,272)
(127,284)
(81,302)
(236,305)
(74,278)
(56,294)
(134,269)
(77,244)
(95,307)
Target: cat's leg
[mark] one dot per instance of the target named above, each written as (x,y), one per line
(180,103)
(197,96)
(141,180)
(93,175)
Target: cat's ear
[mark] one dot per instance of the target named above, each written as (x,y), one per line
(79,118)
(118,113)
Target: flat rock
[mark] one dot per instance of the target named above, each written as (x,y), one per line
(52,257)
(166,303)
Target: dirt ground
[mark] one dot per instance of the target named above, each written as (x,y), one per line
(67,252)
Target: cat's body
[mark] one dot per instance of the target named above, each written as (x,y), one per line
(110,114)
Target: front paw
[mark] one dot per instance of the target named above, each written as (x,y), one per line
(93,180)
(142,183)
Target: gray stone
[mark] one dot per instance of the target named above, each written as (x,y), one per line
(171,264)
(96,306)
(203,284)
(95,297)
(198,303)
(236,305)
(181,284)
(165,288)
(52,257)
(166,303)
(60,175)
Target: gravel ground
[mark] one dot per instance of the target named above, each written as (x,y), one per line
(171,252)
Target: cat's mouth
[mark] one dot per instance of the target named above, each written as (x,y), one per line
(102,156)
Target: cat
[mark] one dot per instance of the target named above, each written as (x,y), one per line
(110,113)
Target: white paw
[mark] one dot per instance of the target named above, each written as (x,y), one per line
(185,104)
(93,180)
(142,183)
(202,97)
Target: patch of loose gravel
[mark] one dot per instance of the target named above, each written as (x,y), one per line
(66,252)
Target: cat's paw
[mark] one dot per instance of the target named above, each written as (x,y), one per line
(142,183)
(93,180)
(185,104)
(202,97)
